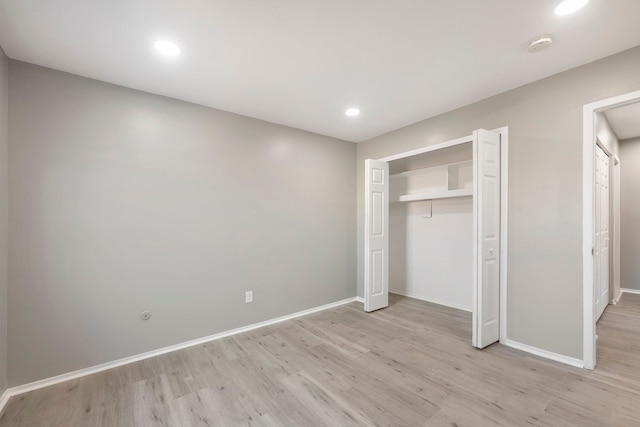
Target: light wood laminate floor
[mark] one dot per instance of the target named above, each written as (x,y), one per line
(408,365)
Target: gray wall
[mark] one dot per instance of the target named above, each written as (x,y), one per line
(4,103)
(630,213)
(122,201)
(545,184)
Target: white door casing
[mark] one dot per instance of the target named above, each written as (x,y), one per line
(486,295)
(588,218)
(602,240)
(376,235)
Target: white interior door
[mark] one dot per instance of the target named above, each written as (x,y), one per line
(486,295)
(376,235)
(601,241)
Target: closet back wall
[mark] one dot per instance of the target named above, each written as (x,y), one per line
(123,201)
(431,258)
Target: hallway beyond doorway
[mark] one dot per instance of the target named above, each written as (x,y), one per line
(619,342)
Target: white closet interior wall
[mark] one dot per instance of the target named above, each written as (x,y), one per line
(431,241)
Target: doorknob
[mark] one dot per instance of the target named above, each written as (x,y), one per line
(491,251)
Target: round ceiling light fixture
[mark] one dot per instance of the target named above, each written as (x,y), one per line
(567,7)
(352,112)
(539,43)
(167,48)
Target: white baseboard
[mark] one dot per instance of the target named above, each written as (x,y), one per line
(4,399)
(431,300)
(616,299)
(544,353)
(359,299)
(14,391)
(630,291)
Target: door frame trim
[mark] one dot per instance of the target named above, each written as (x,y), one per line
(504,209)
(588,215)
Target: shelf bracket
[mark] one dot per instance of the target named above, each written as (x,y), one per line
(428,209)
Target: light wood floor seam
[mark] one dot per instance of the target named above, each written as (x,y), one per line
(410,364)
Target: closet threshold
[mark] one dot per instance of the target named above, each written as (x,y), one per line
(433,195)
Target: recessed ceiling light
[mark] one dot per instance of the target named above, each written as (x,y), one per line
(352,112)
(569,6)
(167,48)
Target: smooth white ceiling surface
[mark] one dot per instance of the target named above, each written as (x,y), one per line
(302,63)
(625,121)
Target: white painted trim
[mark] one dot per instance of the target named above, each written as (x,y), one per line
(588,215)
(615,217)
(504,227)
(629,291)
(429,148)
(359,299)
(4,399)
(474,280)
(14,391)
(616,298)
(431,300)
(544,353)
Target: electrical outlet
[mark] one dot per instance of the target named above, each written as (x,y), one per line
(248,297)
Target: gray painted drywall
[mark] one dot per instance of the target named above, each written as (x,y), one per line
(4,188)
(630,213)
(545,190)
(123,201)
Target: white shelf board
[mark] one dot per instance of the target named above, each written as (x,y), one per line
(432,195)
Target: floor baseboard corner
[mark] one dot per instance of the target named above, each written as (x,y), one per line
(4,399)
(545,353)
(430,300)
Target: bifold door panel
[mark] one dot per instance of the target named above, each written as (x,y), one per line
(376,246)
(486,314)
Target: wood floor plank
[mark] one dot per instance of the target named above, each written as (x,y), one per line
(410,364)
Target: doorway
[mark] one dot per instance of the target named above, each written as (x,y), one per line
(601,209)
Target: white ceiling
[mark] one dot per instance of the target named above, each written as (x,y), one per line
(625,121)
(302,63)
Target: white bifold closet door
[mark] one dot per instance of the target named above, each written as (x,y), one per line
(376,235)
(486,292)
(601,241)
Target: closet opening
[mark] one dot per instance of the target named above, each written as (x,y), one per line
(431,226)
(436,228)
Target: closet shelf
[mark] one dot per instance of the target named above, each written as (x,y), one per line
(431,169)
(432,195)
